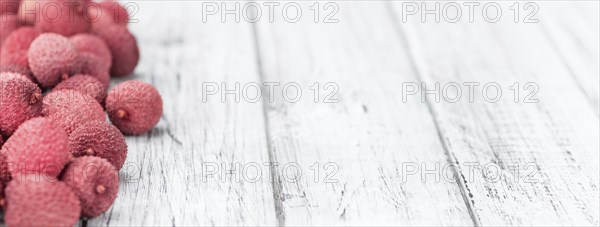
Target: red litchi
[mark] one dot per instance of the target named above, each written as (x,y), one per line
(19,40)
(84,84)
(108,12)
(98,138)
(8,23)
(18,58)
(19,69)
(134,107)
(94,66)
(71,109)
(41,203)
(38,146)
(20,100)
(16,62)
(64,17)
(52,57)
(92,44)
(123,47)
(95,181)
(9,6)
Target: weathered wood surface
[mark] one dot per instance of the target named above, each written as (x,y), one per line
(553,142)
(572,30)
(369,133)
(370,138)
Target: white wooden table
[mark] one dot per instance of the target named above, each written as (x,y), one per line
(370,157)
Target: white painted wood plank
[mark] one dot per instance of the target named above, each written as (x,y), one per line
(574,30)
(370,134)
(557,137)
(165,186)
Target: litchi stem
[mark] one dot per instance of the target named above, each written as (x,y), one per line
(89,151)
(100,189)
(35,97)
(121,113)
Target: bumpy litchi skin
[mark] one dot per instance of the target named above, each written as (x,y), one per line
(84,84)
(92,44)
(52,57)
(19,40)
(20,100)
(38,146)
(19,69)
(68,17)
(9,6)
(134,107)
(71,109)
(8,23)
(41,203)
(94,66)
(123,47)
(98,138)
(107,13)
(95,181)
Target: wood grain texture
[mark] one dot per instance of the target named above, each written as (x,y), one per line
(370,134)
(370,157)
(556,138)
(573,31)
(164,184)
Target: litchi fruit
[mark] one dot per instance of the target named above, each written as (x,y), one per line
(41,203)
(94,66)
(65,17)
(19,69)
(8,23)
(16,62)
(18,58)
(20,100)
(98,138)
(95,181)
(52,57)
(19,40)
(38,146)
(108,12)
(134,107)
(85,84)
(123,47)
(71,109)
(92,44)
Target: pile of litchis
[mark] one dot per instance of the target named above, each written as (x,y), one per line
(60,157)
